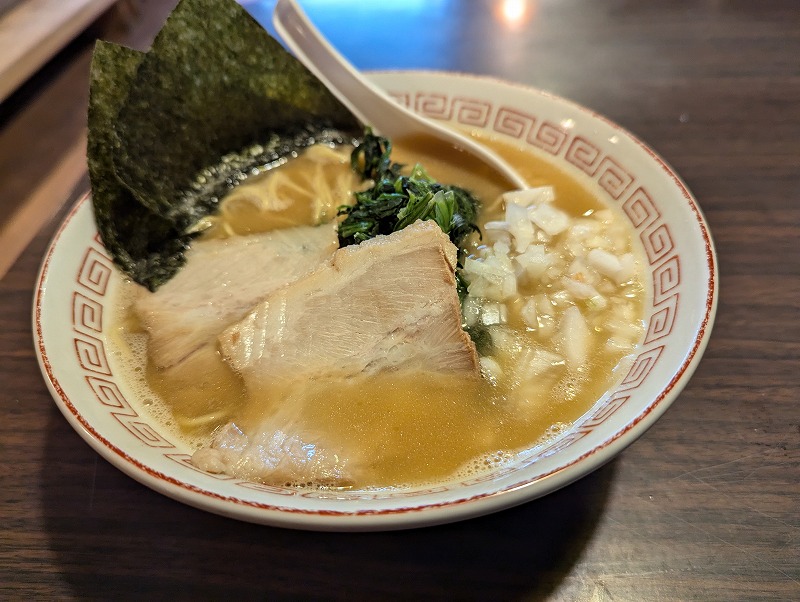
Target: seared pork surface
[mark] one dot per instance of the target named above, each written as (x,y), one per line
(389,303)
(220,283)
(282,450)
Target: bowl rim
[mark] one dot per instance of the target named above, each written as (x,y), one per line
(397,517)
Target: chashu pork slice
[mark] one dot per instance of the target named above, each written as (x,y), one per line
(221,281)
(389,303)
(283,450)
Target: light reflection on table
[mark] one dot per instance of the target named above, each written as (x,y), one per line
(419,34)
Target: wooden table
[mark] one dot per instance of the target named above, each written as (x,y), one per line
(32,31)
(705,506)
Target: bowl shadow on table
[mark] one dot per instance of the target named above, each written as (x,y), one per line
(115,538)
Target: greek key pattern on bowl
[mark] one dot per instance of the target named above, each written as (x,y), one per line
(621,188)
(614,178)
(88,321)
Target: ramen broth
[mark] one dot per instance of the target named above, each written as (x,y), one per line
(414,428)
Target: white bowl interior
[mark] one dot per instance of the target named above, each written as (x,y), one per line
(78,282)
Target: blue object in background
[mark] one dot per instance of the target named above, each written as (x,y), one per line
(420,34)
(398,33)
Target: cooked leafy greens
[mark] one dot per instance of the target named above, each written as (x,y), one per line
(396,201)
(172,130)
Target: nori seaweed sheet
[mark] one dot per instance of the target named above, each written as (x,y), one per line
(214,82)
(144,245)
(174,129)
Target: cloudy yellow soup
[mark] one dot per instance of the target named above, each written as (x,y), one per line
(562,312)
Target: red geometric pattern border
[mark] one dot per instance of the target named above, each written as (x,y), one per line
(657,242)
(563,442)
(91,354)
(95,271)
(401,98)
(666,278)
(87,314)
(584,155)
(143,431)
(548,137)
(640,209)
(612,176)
(434,105)
(513,123)
(487,476)
(636,203)
(642,366)
(185,460)
(471,112)
(378,495)
(108,393)
(605,411)
(661,322)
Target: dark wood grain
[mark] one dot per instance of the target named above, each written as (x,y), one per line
(705,506)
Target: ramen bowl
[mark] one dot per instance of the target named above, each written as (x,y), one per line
(74,308)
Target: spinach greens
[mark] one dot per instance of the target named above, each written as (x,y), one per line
(396,201)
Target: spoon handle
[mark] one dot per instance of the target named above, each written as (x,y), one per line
(370,104)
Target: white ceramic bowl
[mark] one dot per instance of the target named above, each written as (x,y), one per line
(77,284)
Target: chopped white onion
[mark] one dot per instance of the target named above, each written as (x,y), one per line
(534,261)
(471,310)
(536,362)
(496,225)
(548,218)
(604,262)
(491,278)
(530,196)
(574,336)
(555,286)
(544,306)
(519,226)
(579,290)
(628,263)
(528,313)
(494,313)
(490,369)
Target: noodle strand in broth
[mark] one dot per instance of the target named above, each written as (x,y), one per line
(411,429)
